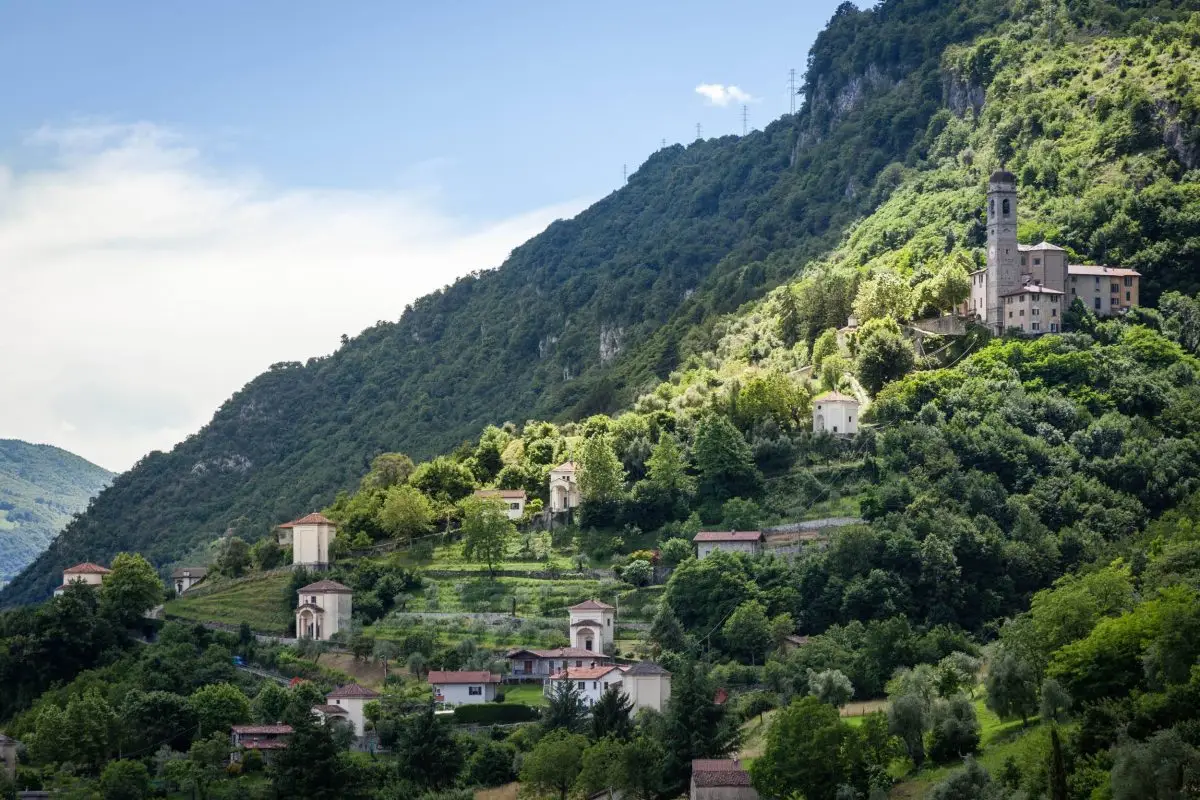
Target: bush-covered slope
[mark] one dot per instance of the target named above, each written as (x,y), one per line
(599,308)
(40,488)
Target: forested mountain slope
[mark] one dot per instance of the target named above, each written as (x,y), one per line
(40,488)
(600,308)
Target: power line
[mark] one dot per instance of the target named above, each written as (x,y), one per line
(698,136)
(664,142)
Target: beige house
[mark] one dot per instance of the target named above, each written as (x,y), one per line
(348,703)
(648,685)
(463,687)
(264,738)
(324,609)
(185,578)
(564,488)
(86,573)
(526,663)
(592,626)
(707,542)
(309,538)
(834,412)
(1107,291)
(513,499)
(720,779)
(8,755)
(1033,309)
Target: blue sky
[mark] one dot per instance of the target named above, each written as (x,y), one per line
(177,178)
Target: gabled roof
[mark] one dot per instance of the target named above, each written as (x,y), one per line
(87,568)
(584,673)
(350,691)
(262,730)
(508,494)
(715,764)
(728,536)
(835,397)
(714,778)
(646,668)
(586,622)
(447,677)
(190,572)
(797,639)
(1111,272)
(313,519)
(590,605)
(560,652)
(1031,288)
(327,586)
(330,709)
(1027,248)
(566,466)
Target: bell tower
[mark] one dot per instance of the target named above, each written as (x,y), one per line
(1003,259)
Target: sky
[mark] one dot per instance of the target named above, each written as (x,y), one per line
(190,192)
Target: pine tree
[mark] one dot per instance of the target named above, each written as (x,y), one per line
(610,715)
(694,725)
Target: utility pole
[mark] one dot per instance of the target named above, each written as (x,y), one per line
(792,89)
(698,136)
(624,173)
(745,119)
(664,143)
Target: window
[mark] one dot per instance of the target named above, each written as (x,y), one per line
(1097,281)
(1097,303)
(1054,312)
(582,684)
(1036,326)
(312,600)
(1072,279)
(1035,312)
(991,208)
(1023,261)
(1037,262)
(515,506)
(595,684)
(1115,289)
(475,691)
(1007,207)
(1053,327)
(1010,315)
(1127,295)
(1022,312)
(1129,281)
(610,623)
(1072,291)
(579,662)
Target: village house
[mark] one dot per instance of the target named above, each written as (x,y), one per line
(185,578)
(793,641)
(592,626)
(720,779)
(1107,291)
(309,537)
(544,663)
(834,412)
(8,755)
(264,738)
(564,488)
(86,573)
(1033,309)
(323,609)
(707,542)
(347,703)
(513,499)
(463,687)
(647,684)
(591,681)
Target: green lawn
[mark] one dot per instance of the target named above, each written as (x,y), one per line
(528,693)
(260,600)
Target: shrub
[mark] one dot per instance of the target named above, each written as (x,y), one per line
(494,714)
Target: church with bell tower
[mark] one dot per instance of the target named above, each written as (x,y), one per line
(1003,252)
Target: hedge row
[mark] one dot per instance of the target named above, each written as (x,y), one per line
(494,713)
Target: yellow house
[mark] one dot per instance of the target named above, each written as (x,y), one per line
(86,573)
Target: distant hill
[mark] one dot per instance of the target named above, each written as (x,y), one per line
(41,487)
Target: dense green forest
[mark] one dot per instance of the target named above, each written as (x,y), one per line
(41,487)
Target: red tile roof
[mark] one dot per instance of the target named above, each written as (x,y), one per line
(262,730)
(330,709)
(566,466)
(584,673)
(352,690)
(561,652)
(590,605)
(326,586)
(728,536)
(87,568)
(313,519)
(513,494)
(715,764)
(440,677)
(1112,272)
(721,777)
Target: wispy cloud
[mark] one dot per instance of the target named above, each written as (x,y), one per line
(718,94)
(142,287)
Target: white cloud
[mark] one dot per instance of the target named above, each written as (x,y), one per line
(718,94)
(139,288)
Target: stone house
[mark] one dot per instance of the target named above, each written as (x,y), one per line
(86,573)
(834,412)
(323,609)
(707,542)
(264,738)
(514,500)
(1107,291)
(1033,309)
(463,687)
(592,626)
(564,488)
(185,578)
(544,663)
(720,779)
(348,703)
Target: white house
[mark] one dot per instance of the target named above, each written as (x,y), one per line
(323,609)
(592,681)
(185,578)
(592,626)
(564,488)
(350,701)
(749,542)
(720,779)
(648,685)
(309,538)
(835,412)
(514,500)
(463,687)
(86,573)
(543,663)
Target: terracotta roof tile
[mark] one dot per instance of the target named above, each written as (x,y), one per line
(728,536)
(352,690)
(584,673)
(262,730)
(1111,272)
(715,764)
(510,494)
(443,677)
(87,568)
(313,519)
(721,777)
(327,586)
(590,605)
(330,709)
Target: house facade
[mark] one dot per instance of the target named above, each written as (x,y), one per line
(544,663)
(592,626)
(185,578)
(834,412)
(86,573)
(720,779)
(463,687)
(264,738)
(1106,291)
(591,681)
(311,536)
(349,699)
(564,488)
(8,755)
(708,542)
(323,609)
(514,500)
(648,685)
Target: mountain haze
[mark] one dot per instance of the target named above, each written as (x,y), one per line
(41,487)
(600,308)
